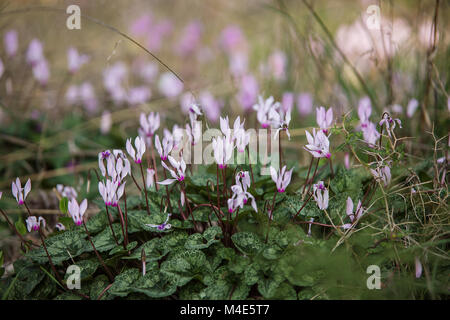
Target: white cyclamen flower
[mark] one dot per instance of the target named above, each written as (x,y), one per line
(223,150)
(321,195)
(324,118)
(34,224)
(354,216)
(177,174)
(20,193)
(140,149)
(77,211)
(318,144)
(282,178)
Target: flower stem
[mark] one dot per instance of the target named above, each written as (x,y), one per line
(154,165)
(270,216)
(15,229)
(108,272)
(108,215)
(50,259)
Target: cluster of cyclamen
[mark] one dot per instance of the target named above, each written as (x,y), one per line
(117,168)
(240,194)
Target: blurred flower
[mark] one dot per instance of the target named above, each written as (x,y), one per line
(263,108)
(396,108)
(77,211)
(35,52)
(112,80)
(248,92)
(238,62)
(141,26)
(138,95)
(347,160)
(413,104)
(210,105)
(20,193)
(11,42)
(34,224)
(105,122)
(149,125)
(157,33)
(190,38)
(389,123)
(418,266)
(318,144)
(282,178)
(169,85)
(177,174)
(87,97)
(304,103)
(364,111)
(370,133)
(66,191)
(324,118)
(148,72)
(320,194)
(140,149)
(426,33)
(41,72)
(277,65)
(287,101)
(75,60)
(232,39)
(2,68)
(186,100)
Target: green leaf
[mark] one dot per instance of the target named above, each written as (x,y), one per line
(248,243)
(87,268)
(61,247)
(64,205)
(154,285)
(154,250)
(20,226)
(184,266)
(99,284)
(104,241)
(123,282)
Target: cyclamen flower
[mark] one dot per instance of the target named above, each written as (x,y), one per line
(413,104)
(263,108)
(383,174)
(243,178)
(194,131)
(321,195)
(248,93)
(105,122)
(41,72)
(111,192)
(34,52)
(150,181)
(77,211)
(370,133)
(304,103)
(66,191)
(11,43)
(240,194)
(389,123)
(177,174)
(138,95)
(282,178)
(225,126)
(223,150)
(280,120)
(165,148)
(242,139)
(162,226)
(318,144)
(287,101)
(140,149)
(364,111)
(354,217)
(60,227)
(20,193)
(34,224)
(75,60)
(324,118)
(169,85)
(149,124)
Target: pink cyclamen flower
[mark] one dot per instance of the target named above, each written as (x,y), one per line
(77,211)
(383,174)
(389,123)
(34,52)
(111,192)
(223,150)
(75,60)
(66,191)
(263,109)
(232,39)
(280,120)
(240,194)
(177,174)
(318,144)
(165,148)
(11,42)
(34,224)
(138,95)
(41,71)
(287,101)
(190,38)
(277,65)
(304,103)
(248,92)
(20,193)
(139,143)
(364,111)
(210,105)
(149,124)
(354,216)
(281,178)
(169,85)
(324,118)
(321,195)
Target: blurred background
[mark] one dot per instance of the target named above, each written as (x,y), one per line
(66,95)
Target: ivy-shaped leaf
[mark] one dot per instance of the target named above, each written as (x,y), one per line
(154,250)
(248,243)
(123,282)
(184,266)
